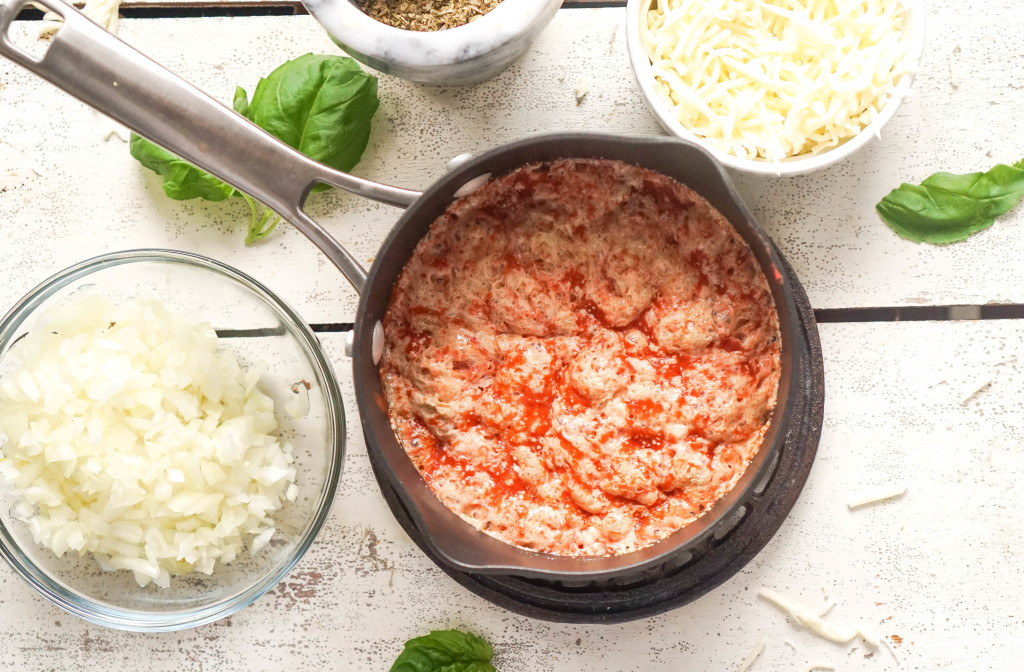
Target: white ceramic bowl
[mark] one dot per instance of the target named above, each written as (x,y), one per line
(913,34)
(467,54)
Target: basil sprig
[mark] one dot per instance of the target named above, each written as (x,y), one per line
(445,651)
(947,208)
(320,105)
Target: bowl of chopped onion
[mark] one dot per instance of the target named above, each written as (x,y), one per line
(171,439)
(774,87)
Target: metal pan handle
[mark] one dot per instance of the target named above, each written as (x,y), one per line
(108,75)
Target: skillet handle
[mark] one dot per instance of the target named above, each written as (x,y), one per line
(108,75)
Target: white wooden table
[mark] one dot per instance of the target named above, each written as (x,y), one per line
(932,405)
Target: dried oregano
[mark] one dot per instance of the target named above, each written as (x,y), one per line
(426,15)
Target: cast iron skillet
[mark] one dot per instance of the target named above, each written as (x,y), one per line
(103,72)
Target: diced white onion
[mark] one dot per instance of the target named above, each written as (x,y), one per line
(129,435)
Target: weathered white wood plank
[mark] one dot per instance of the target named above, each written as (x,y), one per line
(70,191)
(92,197)
(940,568)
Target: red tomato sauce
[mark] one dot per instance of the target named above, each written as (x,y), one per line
(581,357)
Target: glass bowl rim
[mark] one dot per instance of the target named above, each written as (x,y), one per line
(140,621)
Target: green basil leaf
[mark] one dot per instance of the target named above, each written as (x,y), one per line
(319,104)
(445,651)
(947,208)
(240,103)
(467,667)
(182,180)
(262,221)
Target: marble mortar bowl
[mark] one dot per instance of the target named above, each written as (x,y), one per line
(468,54)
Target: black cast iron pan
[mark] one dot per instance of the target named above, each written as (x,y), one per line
(105,73)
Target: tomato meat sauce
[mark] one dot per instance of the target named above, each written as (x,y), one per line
(581,357)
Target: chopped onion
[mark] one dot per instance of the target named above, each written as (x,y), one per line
(127,434)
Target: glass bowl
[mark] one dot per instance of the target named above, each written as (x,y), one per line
(255,325)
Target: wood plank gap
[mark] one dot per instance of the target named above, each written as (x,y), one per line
(959,313)
(189,10)
(331,327)
(318,328)
(178,9)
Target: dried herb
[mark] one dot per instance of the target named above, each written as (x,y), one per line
(426,15)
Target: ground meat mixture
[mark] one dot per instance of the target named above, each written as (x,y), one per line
(581,357)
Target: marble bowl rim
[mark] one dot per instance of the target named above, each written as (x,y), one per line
(351,28)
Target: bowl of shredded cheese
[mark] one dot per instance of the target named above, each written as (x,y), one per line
(171,438)
(775,87)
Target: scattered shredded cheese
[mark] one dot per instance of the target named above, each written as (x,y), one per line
(582,88)
(808,618)
(752,656)
(876,497)
(127,434)
(774,78)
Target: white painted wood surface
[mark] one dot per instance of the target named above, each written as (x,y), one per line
(72,191)
(934,406)
(941,568)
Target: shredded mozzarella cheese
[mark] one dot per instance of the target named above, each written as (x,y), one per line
(806,617)
(891,492)
(129,435)
(753,655)
(771,79)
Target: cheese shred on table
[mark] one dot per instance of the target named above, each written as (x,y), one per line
(808,618)
(772,79)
